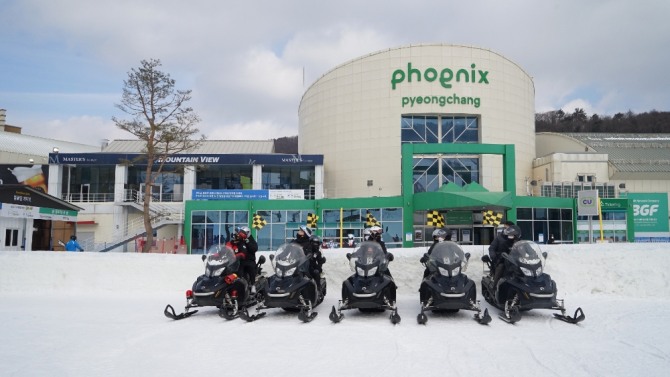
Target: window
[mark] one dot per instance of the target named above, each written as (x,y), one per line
(355,220)
(585,177)
(218,177)
(281,227)
(11,237)
(431,172)
(288,177)
(537,224)
(210,228)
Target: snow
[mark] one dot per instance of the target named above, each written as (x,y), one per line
(100,314)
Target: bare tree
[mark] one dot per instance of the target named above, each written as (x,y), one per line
(161,119)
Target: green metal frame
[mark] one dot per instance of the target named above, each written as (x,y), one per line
(409,150)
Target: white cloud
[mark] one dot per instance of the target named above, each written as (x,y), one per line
(245,61)
(85,129)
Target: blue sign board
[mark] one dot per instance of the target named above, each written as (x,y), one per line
(230,194)
(188,159)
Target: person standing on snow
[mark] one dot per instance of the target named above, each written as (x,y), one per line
(73,245)
(351,242)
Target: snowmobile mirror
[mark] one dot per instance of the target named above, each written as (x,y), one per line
(544,254)
(272,257)
(349,256)
(261,259)
(203,257)
(467,256)
(486,259)
(390,257)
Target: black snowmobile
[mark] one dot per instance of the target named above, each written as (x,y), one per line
(447,289)
(524,285)
(221,286)
(370,288)
(291,288)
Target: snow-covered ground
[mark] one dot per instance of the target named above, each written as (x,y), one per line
(100,314)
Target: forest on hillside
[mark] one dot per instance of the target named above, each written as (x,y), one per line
(559,121)
(579,121)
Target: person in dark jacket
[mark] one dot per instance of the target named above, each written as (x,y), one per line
(439,235)
(73,245)
(246,248)
(376,236)
(501,245)
(310,245)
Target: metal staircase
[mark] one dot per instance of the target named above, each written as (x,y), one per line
(161,214)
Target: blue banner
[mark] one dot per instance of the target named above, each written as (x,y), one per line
(187,159)
(230,194)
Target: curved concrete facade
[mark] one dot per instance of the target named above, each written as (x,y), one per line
(352,114)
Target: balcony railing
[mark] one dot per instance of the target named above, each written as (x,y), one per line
(129,196)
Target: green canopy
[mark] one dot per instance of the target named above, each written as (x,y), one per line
(472,196)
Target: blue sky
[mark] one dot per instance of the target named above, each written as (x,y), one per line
(64,61)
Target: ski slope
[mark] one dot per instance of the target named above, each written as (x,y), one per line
(100,314)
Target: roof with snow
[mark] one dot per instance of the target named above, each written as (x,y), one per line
(35,145)
(635,153)
(206,147)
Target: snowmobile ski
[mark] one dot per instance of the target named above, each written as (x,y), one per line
(306,315)
(421,318)
(511,313)
(578,317)
(483,319)
(170,313)
(335,315)
(394,317)
(244,314)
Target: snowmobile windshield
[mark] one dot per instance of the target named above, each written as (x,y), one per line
(447,258)
(528,257)
(220,259)
(288,258)
(369,259)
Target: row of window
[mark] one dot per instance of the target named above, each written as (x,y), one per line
(96,183)
(431,172)
(210,228)
(571,189)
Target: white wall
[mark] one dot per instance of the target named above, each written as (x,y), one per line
(352,115)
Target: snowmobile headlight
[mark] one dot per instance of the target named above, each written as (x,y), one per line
(526,271)
(445,272)
(538,272)
(218,271)
(361,272)
(290,271)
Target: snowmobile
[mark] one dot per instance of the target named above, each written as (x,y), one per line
(221,286)
(524,286)
(370,288)
(292,287)
(447,289)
